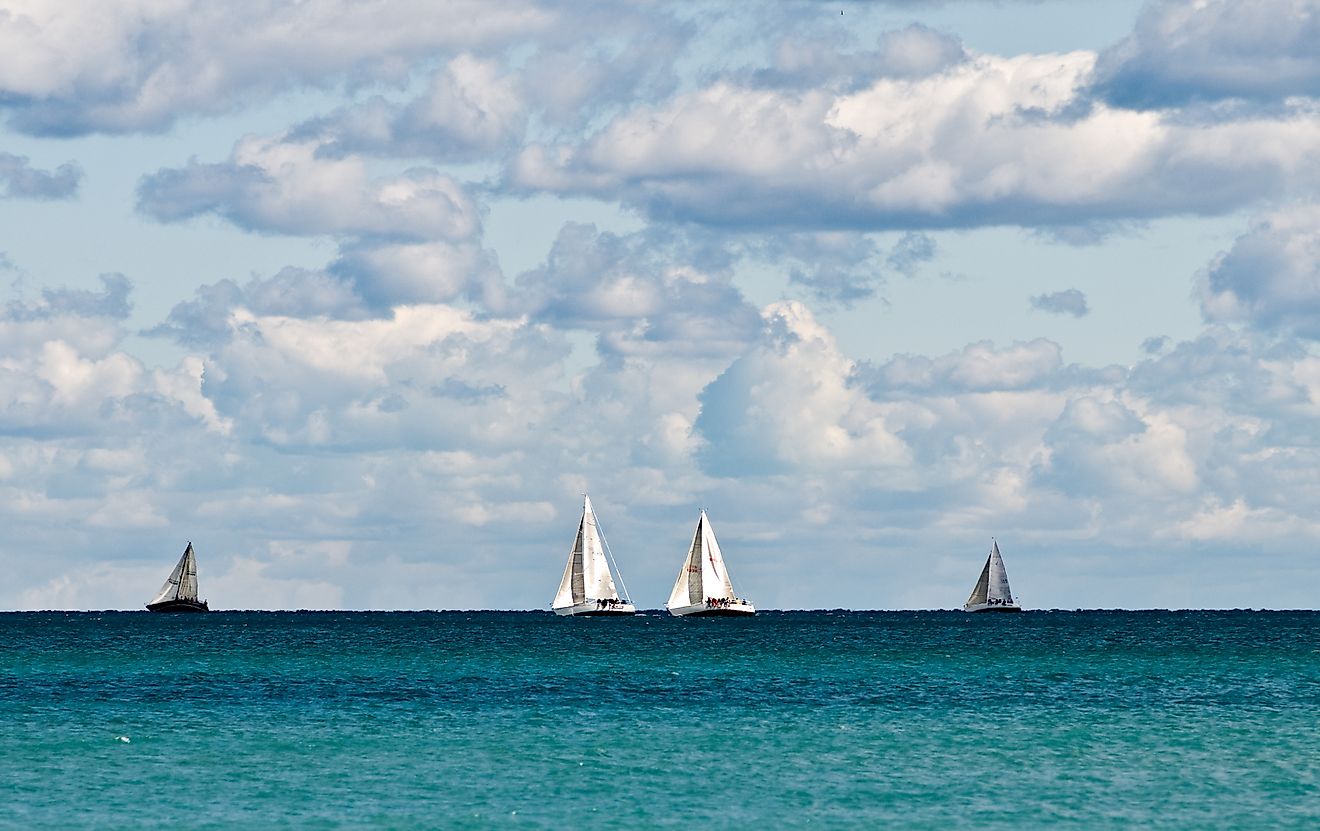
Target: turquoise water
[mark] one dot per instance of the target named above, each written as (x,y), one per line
(525,720)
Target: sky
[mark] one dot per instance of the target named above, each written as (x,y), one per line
(362,298)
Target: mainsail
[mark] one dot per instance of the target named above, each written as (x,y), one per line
(182,582)
(587,576)
(703,574)
(992,587)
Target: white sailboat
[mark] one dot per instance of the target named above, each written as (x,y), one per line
(587,588)
(703,587)
(179,594)
(992,593)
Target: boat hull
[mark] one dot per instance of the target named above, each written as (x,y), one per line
(179,606)
(593,608)
(986,607)
(739,608)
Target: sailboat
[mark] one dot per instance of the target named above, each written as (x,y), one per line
(992,593)
(179,594)
(703,587)
(587,588)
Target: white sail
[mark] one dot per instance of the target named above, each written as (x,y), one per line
(596,576)
(687,588)
(703,574)
(982,585)
(587,575)
(182,582)
(997,590)
(571,585)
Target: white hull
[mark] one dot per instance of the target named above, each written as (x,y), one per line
(734,608)
(596,608)
(992,607)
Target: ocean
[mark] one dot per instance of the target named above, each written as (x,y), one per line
(1085,720)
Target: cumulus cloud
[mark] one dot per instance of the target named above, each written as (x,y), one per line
(207,320)
(835,267)
(64,375)
(471,109)
(790,402)
(572,80)
(1187,51)
(654,291)
(318,383)
(1100,447)
(284,186)
(1066,302)
(387,274)
(977,367)
(989,141)
(131,65)
(113,302)
(370,435)
(22,181)
(1270,277)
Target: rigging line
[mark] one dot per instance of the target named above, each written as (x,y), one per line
(600,529)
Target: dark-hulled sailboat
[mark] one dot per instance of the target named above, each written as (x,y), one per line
(179,594)
(992,593)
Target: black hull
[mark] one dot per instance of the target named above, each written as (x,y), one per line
(179,606)
(998,610)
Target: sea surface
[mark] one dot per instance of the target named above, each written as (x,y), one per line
(941,720)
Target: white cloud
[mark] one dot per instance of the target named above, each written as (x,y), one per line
(1187,51)
(128,65)
(990,141)
(790,403)
(284,186)
(1270,278)
(472,109)
(978,367)
(387,274)
(362,452)
(648,293)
